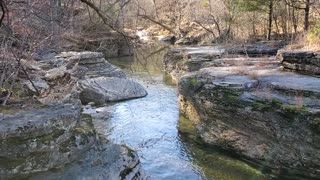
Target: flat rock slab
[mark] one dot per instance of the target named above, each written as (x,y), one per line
(109,89)
(218,50)
(104,69)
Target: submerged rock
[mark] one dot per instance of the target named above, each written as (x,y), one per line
(250,107)
(58,137)
(109,89)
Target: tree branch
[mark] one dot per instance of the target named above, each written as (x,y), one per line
(105,18)
(156,22)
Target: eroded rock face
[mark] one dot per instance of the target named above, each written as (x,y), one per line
(251,107)
(307,62)
(51,137)
(106,89)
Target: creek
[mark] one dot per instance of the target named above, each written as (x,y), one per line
(165,141)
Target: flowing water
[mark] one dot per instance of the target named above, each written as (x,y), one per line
(165,141)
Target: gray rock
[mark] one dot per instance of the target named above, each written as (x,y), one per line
(180,61)
(271,118)
(307,62)
(83,57)
(56,142)
(38,140)
(109,89)
(90,64)
(56,73)
(187,41)
(79,72)
(262,48)
(250,106)
(105,161)
(104,70)
(89,67)
(40,84)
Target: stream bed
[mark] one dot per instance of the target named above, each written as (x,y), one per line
(165,141)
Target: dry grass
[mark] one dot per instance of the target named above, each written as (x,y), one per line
(307,41)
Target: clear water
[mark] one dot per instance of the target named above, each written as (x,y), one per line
(166,142)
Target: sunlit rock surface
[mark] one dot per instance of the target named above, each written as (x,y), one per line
(251,107)
(105,89)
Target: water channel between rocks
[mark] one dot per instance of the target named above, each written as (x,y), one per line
(165,141)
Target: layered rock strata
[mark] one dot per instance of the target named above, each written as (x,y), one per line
(251,107)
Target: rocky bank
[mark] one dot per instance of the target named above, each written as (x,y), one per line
(306,62)
(58,135)
(251,107)
(53,138)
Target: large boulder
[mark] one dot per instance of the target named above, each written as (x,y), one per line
(50,137)
(252,108)
(307,62)
(109,89)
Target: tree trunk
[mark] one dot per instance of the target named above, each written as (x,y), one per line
(270,19)
(306,15)
(294,21)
